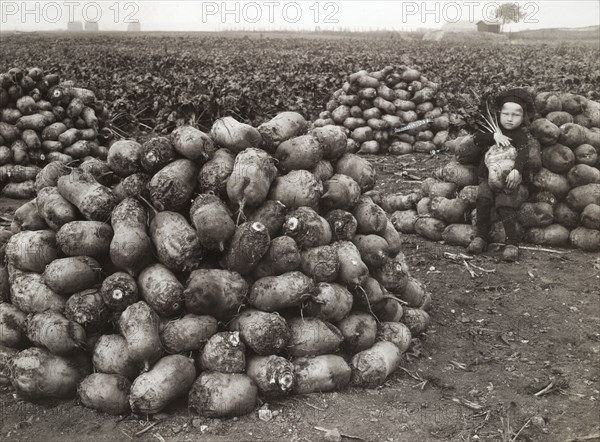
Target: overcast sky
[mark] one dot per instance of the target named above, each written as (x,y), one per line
(291,15)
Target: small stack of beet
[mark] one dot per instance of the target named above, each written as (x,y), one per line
(42,120)
(371,104)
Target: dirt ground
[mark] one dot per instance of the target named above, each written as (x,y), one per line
(512,355)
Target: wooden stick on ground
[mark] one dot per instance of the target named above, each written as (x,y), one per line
(540,249)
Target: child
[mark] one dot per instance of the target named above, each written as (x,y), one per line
(504,158)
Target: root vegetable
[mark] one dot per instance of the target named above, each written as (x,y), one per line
(119,291)
(566,216)
(54,332)
(330,302)
(357,168)
(124,157)
(30,294)
(353,271)
(558,158)
(414,294)
(590,217)
(459,174)
(215,292)
(107,393)
(282,127)
(170,378)
(370,217)
(581,196)
(553,235)
(249,244)
(235,136)
(572,135)
(320,263)
(157,153)
(273,375)
(87,309)
(161,290)
(389,309)
(297,189)
(271,214)
(320,374)
(27,217)
(392,276)
(54,209)
(307,228)
(188,333)
(139,326)
(193,144)
(111,356)
(99,169)
(333,139)
(176,242)
(214,174)
(252,175)
(130,247)
(396,333)
(393,202)
(458,234)
(85,238)
(343,225)
(132,187)
(93,200)
(19,191)
(392,238)
(582,174)
(373,249)
(283,256)
(172,186)
(449,210)
(224,353)
(416,320)
(371,367)
(265,333)
(220,395)
(274,293)
(303,152)
(404,221)
(212,220)
(585,239)
(367,295)
(586,154)
(549,181)
(340,192)
(37,374)
(359,331)
(13,324)
(32,250)
(312,337)
(430,228)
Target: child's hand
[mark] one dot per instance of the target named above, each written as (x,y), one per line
(513,180)
(501,139)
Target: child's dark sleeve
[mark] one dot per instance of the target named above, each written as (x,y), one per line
(472,151)
(484,139)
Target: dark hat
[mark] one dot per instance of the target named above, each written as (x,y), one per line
(516,95)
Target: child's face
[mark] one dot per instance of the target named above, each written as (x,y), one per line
(511,115)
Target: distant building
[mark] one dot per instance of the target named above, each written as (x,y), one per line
(134,27)
(459,26)
(91,26)
(488,26)
(74,26)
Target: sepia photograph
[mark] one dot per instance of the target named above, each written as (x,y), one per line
(298,221)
